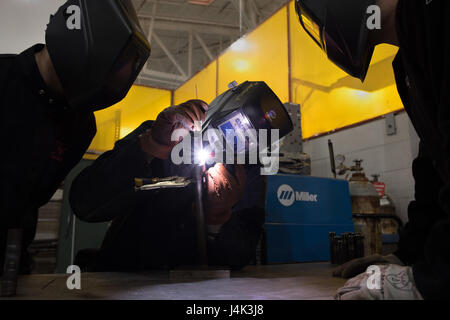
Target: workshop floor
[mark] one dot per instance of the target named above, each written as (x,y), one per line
(310,281)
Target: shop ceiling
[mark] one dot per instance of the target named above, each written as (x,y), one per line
(187,34)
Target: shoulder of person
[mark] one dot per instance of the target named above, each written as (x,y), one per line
(7,57)
(6,62)
(134,135)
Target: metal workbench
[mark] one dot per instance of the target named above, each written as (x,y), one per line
(273,282)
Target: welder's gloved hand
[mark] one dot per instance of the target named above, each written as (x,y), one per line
(181,119)
(354,267)
(382,282)
(223,191)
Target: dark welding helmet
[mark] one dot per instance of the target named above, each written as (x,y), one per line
(98,59)
(243,110)
(339,27)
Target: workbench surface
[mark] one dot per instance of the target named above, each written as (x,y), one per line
(274,282)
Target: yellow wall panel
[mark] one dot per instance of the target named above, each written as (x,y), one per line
(140,104)
(329,98)
(262,55)
(201,86)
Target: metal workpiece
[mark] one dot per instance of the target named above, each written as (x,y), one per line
(161,183)
(12,263)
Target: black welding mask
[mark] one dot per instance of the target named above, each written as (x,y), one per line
(339,27)
(98,49)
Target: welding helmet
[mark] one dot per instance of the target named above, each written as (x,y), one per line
(97,49)
(243,110)
(340,29)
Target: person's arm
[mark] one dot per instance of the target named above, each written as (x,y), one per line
(423,212)
(105,189)
(427,241)
(433,276)
(236,241)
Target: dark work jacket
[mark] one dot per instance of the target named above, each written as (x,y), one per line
(422,69)
(41,143)
(156,229)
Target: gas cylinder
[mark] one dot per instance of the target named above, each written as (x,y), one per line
(365,206)
(365,202)
(389,221)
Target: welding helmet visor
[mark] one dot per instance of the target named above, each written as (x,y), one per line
(98,49)
(339,27)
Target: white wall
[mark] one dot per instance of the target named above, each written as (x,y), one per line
(23,23)
(389,156)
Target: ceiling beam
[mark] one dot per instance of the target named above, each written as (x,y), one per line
(143,3)
(152,22)
(204,46)
(205,29)
(153,82)
(169,55)
(240,6)
(190,52)
(151,27)
(190,21)
(162,75)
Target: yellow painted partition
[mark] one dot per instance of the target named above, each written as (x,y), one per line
(141,104)
(329,98)
(262,55)
(202,86)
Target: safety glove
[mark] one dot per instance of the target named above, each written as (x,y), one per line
(354,267)
(223,191)
(381,282)
(186,117)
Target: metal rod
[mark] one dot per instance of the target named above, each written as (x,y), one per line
(12,263)
(332,161)
(169,55)
(200,213)
(190,51)
(241,5)
(204,46)
(150,29)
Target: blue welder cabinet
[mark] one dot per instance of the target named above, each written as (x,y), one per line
(301,211)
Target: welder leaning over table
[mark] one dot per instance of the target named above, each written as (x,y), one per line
(157,229)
